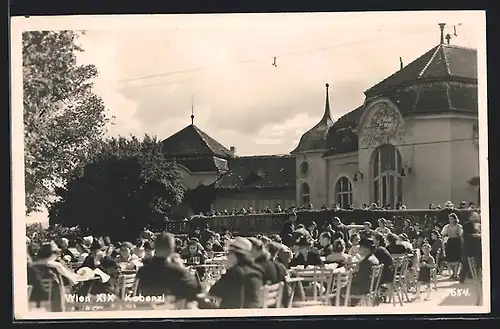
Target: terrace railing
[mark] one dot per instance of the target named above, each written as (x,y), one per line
(272,223)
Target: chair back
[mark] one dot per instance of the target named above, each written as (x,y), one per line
(400,266)
(474,269)
(127,284)
(320,275)
(272,295)
(375,277)
(342,279)
(212,273)
(477,277)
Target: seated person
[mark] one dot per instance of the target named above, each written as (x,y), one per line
(240,286)
(165,273)
(393,246)
(360,285)
(99,259)
(126,259)
(338,254)
(325,242)
(304,255)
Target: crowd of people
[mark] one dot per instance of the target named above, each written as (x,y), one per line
(164,263)
(374,206)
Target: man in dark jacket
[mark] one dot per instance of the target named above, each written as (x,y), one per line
(472,244)
(240,286)
(165,273)
(338,226)
(270,270)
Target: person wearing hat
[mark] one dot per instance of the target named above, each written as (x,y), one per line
(99,259)
(304,254)
(360,284)
(285,254)
(47,266)
(240,286)
(453,233)
(271,273)
(83,251)
(165,274)
(126,259)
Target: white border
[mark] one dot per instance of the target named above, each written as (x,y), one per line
(20,24)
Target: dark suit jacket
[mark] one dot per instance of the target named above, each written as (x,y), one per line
(384,257)
(361,279)
(239,287)
(313,258)
(396,249)
(271,273)
(160,276)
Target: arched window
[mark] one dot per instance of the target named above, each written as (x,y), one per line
(343,192)
(305,196)
(387,181)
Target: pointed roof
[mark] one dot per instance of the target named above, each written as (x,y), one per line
(443,61)
(315,138)
(192,141)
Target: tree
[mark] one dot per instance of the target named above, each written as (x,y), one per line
(126,185)
(62,116)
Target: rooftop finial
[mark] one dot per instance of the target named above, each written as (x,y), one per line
(192,109)
(441,27)
(327,103)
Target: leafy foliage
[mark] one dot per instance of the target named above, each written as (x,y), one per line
(62,116)
(128,184)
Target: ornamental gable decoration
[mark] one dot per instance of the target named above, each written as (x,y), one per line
(386,125)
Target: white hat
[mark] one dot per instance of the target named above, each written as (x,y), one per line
(241,245)
(88,240)
(85,273)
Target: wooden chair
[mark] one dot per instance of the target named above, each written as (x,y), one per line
(128,284)
(322,276)
(477,278)
(342,280)
(398,287)
(371,297)
(212,273)
(272,295)
(49,285)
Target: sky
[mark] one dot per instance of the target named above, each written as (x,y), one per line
(154,69)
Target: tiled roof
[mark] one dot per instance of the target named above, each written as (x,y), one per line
(268,171)
(203,164)
(442,61)
(442,79)
(315,138)
(191,141)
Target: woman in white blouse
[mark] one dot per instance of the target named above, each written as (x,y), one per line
(453,233)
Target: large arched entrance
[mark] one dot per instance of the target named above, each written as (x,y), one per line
(387,184)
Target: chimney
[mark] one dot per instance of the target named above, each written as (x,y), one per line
(441,27)
(400,63)
(232,151)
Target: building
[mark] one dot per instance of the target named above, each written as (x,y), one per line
(414,140)
(216,178)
